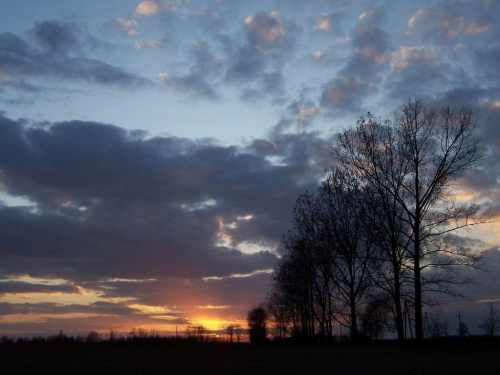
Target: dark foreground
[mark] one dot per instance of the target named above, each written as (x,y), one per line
(456,357)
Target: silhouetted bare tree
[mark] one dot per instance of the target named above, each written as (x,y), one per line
(437,326)
(196,332)
(414,161)
(344,213)
(293,281)
(462,329)
(279,313)
(93,337)
(230,332)
(490,323)
(323,275)
(374,318)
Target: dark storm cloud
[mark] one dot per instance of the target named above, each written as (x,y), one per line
(105,308)
(57,38)
(60,50)
(19,287)
(160,205)
(235,292)
(52,318)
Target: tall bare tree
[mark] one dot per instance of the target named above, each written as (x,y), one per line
(323,275)
(343,212)
(414,162)
(490,323)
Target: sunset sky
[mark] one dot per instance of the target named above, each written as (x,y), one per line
(151,152)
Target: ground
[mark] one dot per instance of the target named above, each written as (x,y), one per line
(450,357)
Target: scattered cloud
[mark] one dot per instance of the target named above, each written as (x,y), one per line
(269,39)
(345,94)
(60,51)
(376,16)
(127,26)
(371,53)
(193,85)
(329,23)
(147,8)
(201,79)
(266,27)
(150,44)
(440,24)
(318,54)
(408,57)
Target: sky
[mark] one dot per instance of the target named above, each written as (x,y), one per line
(151,152)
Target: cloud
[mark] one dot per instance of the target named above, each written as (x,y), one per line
(419,70)
(161,205)
(486,58)
(56,37)
(345,94)
(269,85)
(370,55)
(150,8)
(329,23)
(104,308)
(150,44)
(318,54)
(442,25)
(359,77)
(19,287)
(269,39)
(300,113)
(201,80)
(374,17)
(98,191)
(408,57)
(266,28)
(192,84)
(60,51)
(147,8)
(127,26)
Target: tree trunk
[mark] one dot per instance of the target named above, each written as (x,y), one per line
(354,323)
(419,330)
(397,303)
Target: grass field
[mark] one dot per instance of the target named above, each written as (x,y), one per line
(450,357)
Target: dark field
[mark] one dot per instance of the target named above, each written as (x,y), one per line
(460,357)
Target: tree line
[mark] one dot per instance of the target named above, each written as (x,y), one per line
(378,239)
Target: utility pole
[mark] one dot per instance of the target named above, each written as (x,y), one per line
(460,328)
(426,324)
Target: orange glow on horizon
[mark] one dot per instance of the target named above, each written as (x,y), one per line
(216,324)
